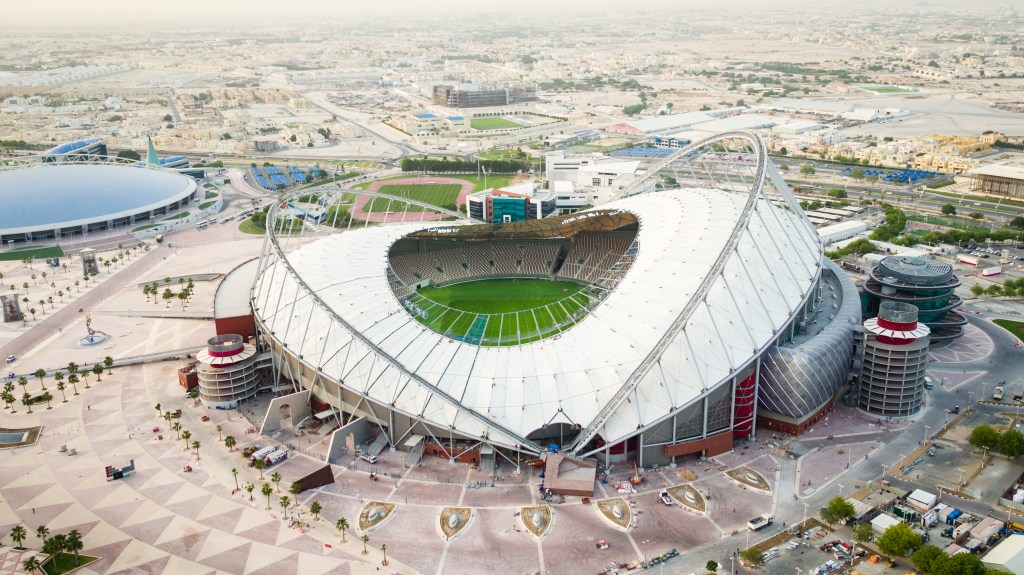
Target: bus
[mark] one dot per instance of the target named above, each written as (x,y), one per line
(202,224)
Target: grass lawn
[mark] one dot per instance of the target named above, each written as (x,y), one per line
(440,195)
(492,124)
(211,195)
(501,311)
(177,216)
(142,228)
(503,154)
(248,227)
(64,562)
(890,90)
(205,205)
(477,181)
(36,253)
(1014,327)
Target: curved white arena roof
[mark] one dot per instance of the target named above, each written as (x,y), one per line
(344,320)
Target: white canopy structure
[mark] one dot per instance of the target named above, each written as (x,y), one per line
(717,272)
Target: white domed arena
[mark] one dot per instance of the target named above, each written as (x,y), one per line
(660,324)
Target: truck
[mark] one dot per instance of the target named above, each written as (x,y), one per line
(998,394)
(759,523)
(261,454)
(968,259)
(276,457)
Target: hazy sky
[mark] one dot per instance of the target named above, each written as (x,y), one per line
(114,12)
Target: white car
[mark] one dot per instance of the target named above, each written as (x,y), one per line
(11,359)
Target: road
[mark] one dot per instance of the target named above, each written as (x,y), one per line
(111,283)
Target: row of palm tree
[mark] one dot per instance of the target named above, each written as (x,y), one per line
(285,502)
(183,434)
(71,542)
(184,296)
(9,399)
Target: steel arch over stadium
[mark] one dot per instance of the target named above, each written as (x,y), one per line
(666,361)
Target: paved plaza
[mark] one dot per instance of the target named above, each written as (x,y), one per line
(163,519)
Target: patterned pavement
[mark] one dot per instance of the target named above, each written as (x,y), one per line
(159,519)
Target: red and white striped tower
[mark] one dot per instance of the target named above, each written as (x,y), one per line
(895,360)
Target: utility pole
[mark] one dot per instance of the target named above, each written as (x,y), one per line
(803,524)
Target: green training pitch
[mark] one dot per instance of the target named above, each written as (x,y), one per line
(501,311)
(493,124)
(441,195)
(35,253)
(890,90)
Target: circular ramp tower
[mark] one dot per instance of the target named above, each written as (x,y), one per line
(895,359)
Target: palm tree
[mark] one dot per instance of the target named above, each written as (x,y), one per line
(32,311)
(315,509)
(47,398)
(182,296)
(177,428)
(196,445)
(31,564)
(41,375)
(219,429)
(8,398)
(18,534)
(42,531)
(250,487)
(85,376)
(285,503)
(42,306)
(295,490)
(23,382)
(97,370)
(49,300)
(366,539)
(267,490)
(260,465)
(384,550)
(58,376)
(186,435)
(60,294)
(341,525)
(73,542)
(234,473)
(108,362)
(73,379)
(26,400)
(167,295)
(72,368)
(229,442)
(276,478)
(77,289)
(61,387)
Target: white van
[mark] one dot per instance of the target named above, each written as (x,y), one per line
(372,459)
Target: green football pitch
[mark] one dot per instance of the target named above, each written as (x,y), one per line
(441,195)
(492,124)
(501,311)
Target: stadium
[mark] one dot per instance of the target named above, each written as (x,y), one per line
(658,325)
(62,198)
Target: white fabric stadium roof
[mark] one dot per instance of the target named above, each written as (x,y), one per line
(516,390)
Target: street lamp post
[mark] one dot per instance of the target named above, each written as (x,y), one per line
(803,524)
(840,489)
(927,428)
(960,481)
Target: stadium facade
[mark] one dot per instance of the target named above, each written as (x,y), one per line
(62,198)
(700,311)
